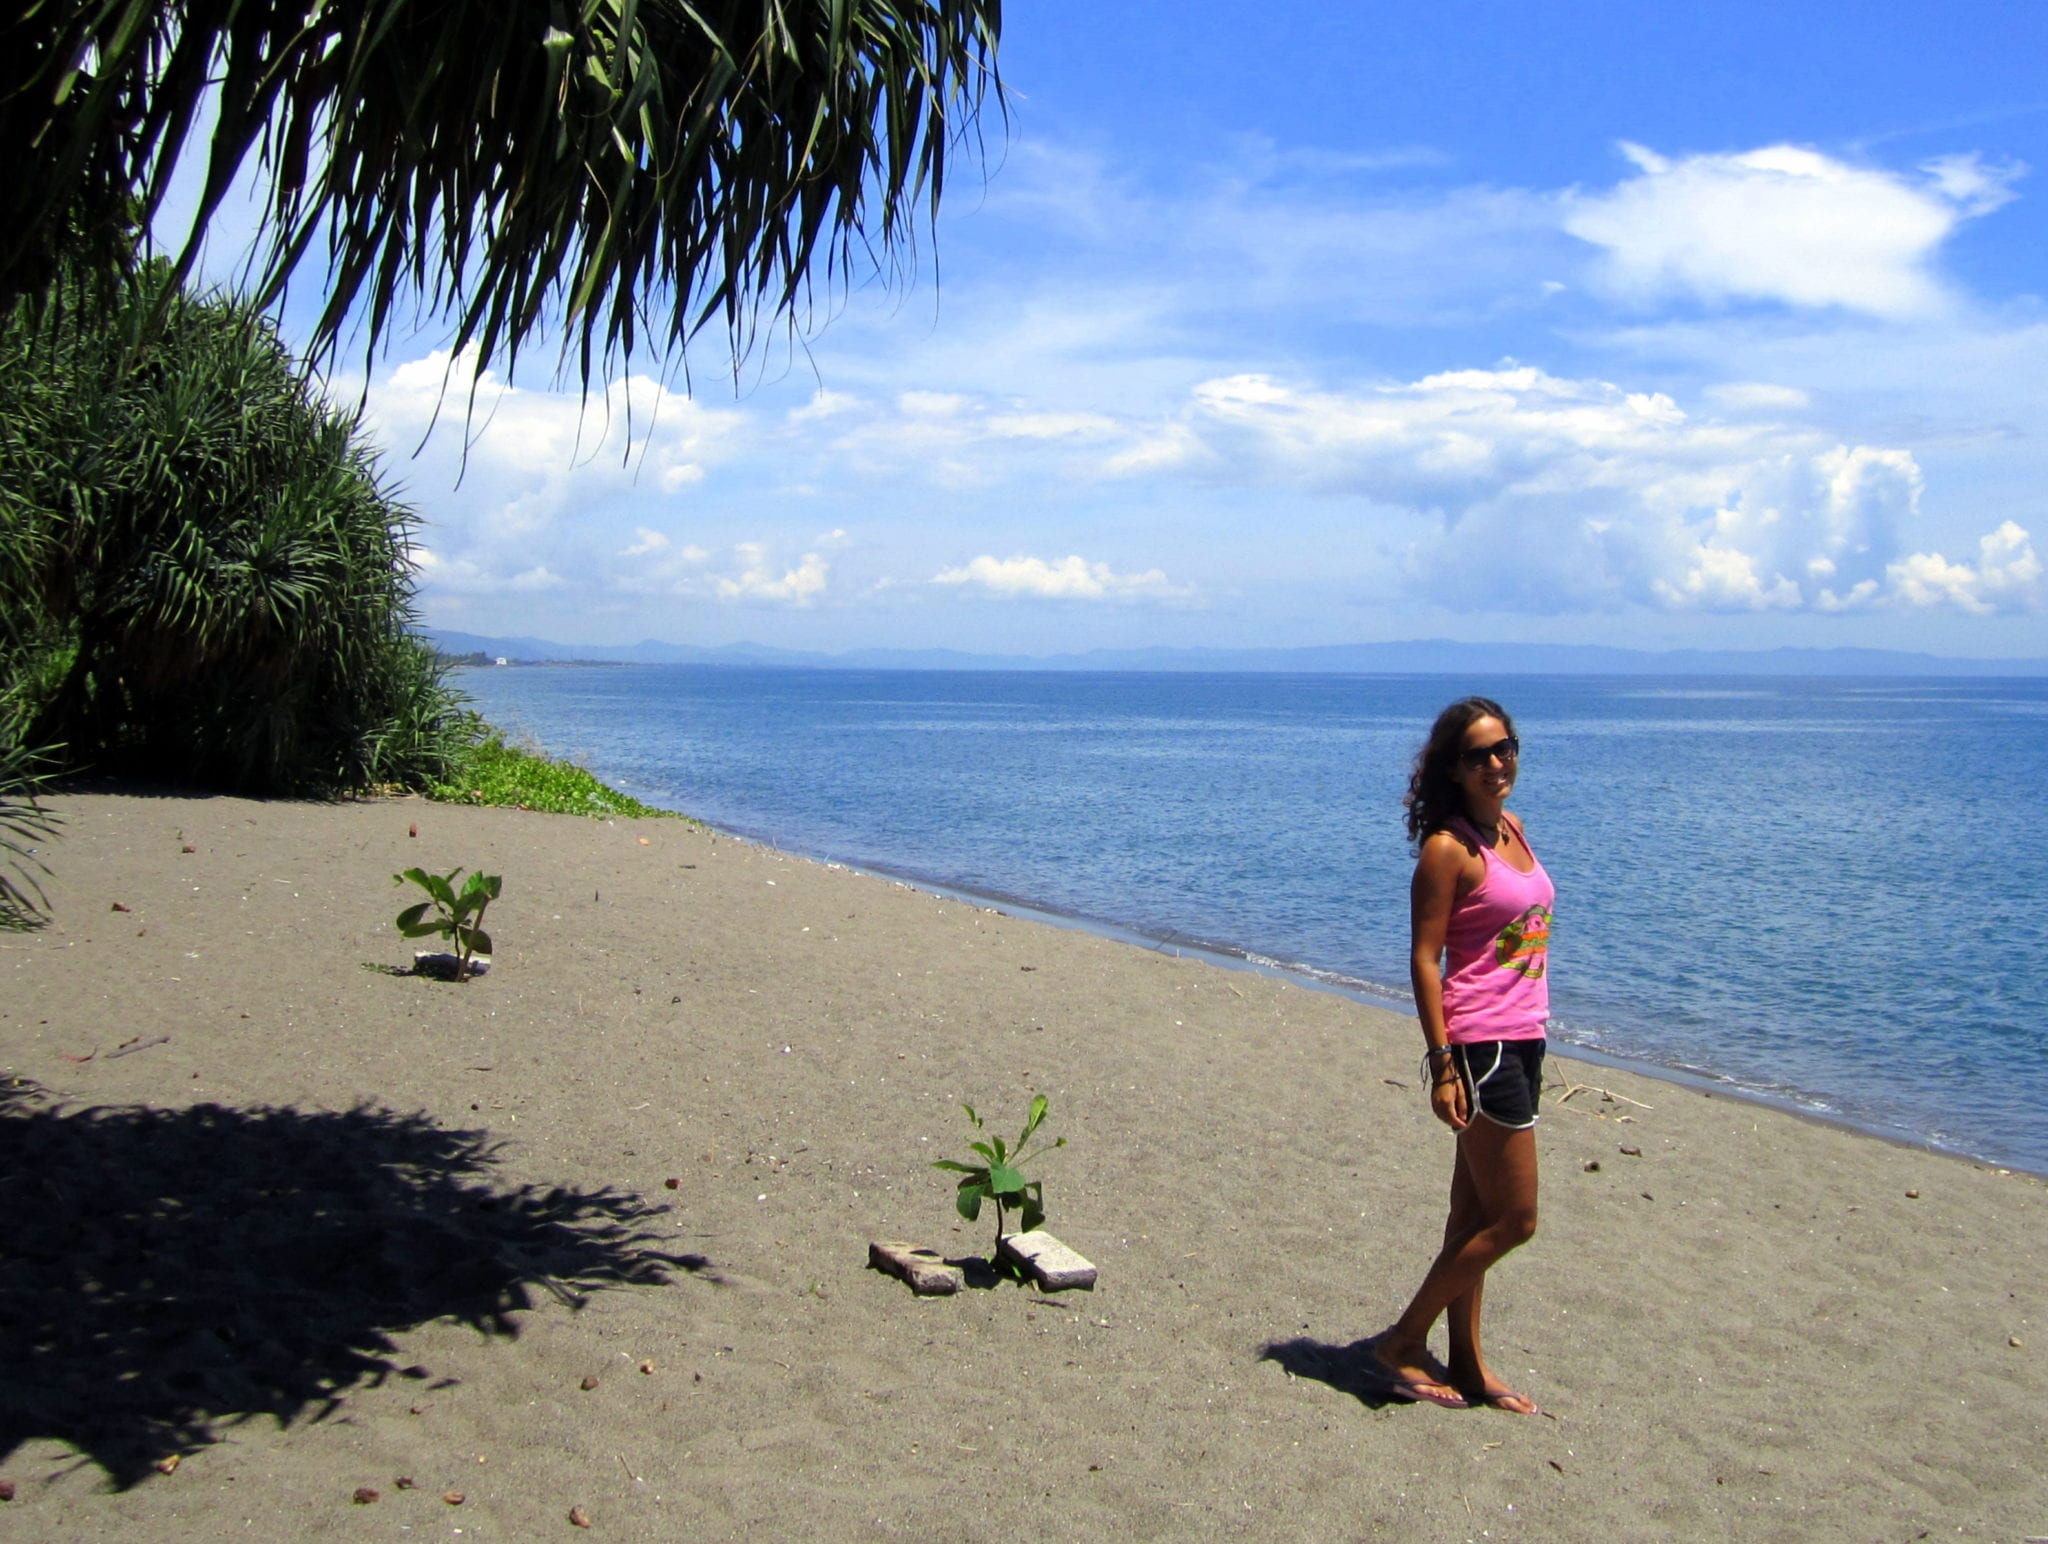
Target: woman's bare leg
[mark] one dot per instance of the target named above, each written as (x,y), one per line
(1493,1210)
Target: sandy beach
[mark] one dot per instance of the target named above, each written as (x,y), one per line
(591,1232)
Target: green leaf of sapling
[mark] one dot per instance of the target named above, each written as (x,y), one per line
(1038,1106)
(968,1201)
(478,940)
(1004,1181)
(411,915)
(954,1166)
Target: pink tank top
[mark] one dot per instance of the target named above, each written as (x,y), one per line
(1498,944)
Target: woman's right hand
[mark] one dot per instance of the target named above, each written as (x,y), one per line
(1447,1098)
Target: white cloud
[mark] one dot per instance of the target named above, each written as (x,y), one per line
(1052,425)
(823,404)
(1158,450)
(2007,576)
(466,576)
(1069,578)
(757,579)
(1783,223)
(528,458)
(1546,494)
(932,404)
(1758,397)
(1973,187)
(1181,368)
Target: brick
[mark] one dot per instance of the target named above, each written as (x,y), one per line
(926,1274)
(1047,1261)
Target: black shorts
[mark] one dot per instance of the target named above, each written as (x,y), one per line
(1503,1079)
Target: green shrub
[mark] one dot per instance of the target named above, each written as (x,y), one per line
(24,824)
(205,579)
(488,771)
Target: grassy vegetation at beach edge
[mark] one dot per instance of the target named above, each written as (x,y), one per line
(490,772)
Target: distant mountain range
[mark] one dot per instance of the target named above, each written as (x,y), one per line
(1433,656)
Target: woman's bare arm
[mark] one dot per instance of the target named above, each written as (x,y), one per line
(1440,876)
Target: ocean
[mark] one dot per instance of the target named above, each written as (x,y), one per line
(1826,893)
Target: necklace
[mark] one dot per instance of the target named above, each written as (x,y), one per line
(1493,833)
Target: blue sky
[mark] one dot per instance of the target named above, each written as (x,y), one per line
(1295,324)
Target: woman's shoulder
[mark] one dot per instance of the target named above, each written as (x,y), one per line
(1451,843)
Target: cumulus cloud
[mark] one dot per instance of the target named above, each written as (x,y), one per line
(527,458)
(1069,578)
(1548,494)
(1783,223)
(2006,574)
(758,580)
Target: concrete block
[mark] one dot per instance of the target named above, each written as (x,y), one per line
(1047,1261)
(926,1274)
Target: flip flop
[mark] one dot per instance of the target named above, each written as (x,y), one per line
(1425,1392)
(1510,1402)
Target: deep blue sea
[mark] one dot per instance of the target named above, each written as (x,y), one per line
(1826,892)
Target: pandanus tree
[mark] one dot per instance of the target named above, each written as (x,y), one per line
(202,568)
(623,172)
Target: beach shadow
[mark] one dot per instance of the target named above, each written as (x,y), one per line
(168,1274)
(1349,1369)
(980,1274)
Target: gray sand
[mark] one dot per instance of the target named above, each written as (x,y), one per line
(329,1233)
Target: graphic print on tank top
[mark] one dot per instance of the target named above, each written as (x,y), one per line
(1523,946)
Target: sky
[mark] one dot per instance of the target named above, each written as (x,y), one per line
(1306,324)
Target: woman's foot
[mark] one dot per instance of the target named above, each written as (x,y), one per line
(1499,1396)
(1408,1375)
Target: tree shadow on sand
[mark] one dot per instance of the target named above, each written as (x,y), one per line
(165,1274)
(1349,1369)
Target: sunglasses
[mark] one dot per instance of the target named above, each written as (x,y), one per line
(1473,757)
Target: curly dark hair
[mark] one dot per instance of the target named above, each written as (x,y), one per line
(1433,795)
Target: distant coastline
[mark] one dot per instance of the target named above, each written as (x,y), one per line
(1417,657)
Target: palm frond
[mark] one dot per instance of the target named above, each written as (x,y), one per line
(24,824)
(631,170)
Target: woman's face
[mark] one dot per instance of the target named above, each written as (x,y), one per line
(1493,778)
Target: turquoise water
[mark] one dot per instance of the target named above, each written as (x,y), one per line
(1827,892)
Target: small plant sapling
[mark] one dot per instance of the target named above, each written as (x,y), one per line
(1000,1175)
(457,916)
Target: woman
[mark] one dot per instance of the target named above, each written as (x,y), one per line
(1479,895)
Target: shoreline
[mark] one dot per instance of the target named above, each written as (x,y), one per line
(591,1231)
(1799,1103)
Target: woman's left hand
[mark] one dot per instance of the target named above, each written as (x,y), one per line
(1448,1098)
